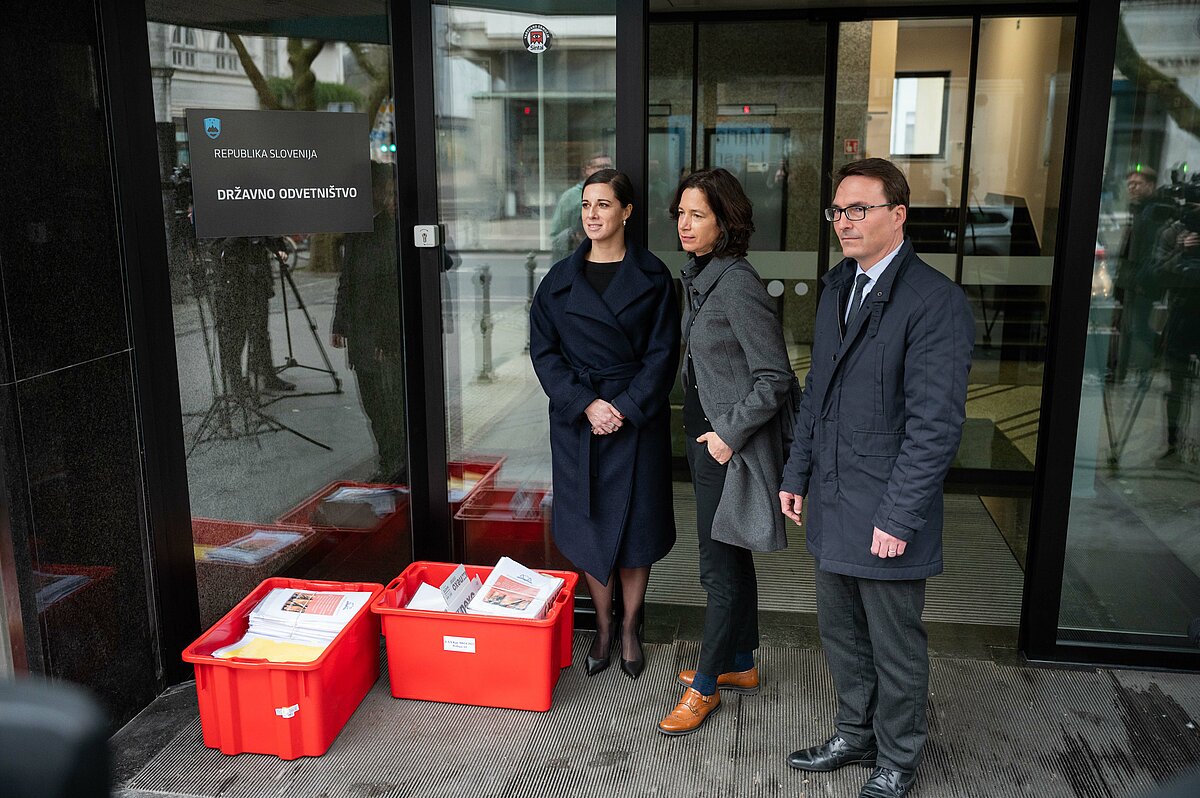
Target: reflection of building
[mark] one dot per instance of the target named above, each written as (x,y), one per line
(555,112)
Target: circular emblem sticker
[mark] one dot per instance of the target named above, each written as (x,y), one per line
(537,38)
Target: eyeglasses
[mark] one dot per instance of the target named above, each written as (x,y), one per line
(855,213)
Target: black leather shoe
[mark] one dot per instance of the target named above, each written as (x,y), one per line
(595,662)
(833,754)
(887,783)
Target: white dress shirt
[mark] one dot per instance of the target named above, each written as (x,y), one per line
(875,272)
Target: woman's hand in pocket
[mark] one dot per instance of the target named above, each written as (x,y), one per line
(717,448)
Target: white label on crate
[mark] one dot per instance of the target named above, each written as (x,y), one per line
(463,644)
(287,712)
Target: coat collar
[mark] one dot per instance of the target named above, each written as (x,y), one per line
(631,282)
(842,275)
(708,276)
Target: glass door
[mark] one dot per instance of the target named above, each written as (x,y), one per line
(287,331)
(909,94)
(525,109)
(761,120)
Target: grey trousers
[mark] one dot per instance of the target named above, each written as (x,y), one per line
(878,653)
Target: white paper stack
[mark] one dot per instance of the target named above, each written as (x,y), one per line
(515,591)
(453,596)
(382,501)
(291,625)
(253,548)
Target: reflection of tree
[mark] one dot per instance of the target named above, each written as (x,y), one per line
(381,84)
(303,90)
(1149,80)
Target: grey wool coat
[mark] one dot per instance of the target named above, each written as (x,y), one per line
(743,378)
(881,418)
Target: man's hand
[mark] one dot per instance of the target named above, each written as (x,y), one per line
(790,504)
(604,418)
(884,545)
(719,450)
(337,341)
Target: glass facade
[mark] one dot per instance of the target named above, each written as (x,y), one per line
(290,352)
(1132,570)
(289,347)
(525,109)
(1001,248)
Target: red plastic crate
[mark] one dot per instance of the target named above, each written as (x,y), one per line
(491,531)
(488,468)
(481,660)
(303,513)
(223,584)
(286,709)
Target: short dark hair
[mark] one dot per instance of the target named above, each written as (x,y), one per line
(622,186)
(895,185)
(730,205)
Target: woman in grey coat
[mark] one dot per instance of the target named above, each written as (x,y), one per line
(737,380)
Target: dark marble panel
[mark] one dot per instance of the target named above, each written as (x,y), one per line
(59,257)
(86,523)
(15,559)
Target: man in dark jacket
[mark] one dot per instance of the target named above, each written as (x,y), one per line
(879,424)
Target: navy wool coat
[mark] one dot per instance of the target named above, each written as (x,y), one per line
(881,418)
(622,347)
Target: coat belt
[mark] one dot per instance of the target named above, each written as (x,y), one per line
(587,377)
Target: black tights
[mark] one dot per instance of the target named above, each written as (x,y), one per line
(633,596)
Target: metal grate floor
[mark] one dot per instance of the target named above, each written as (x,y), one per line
(996,731)
(982,582)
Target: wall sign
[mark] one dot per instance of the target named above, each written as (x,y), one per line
(537,38)
(257,173)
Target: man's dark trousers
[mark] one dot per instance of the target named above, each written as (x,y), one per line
(726,572)
(877,651)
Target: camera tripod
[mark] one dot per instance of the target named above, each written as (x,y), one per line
(286,283)
(236,410)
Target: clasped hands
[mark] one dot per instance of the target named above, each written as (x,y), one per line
(604,417)
(883,545)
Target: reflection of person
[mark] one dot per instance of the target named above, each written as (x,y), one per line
(1135,287)
(366,321)
(736,379)
(566,229)
(879,424)
(1177,270)
(242,291)
(604,340)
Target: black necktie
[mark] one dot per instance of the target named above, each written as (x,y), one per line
(856,298)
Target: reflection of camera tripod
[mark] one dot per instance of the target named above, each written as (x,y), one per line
(1119,437)
(236,410)
(286,282)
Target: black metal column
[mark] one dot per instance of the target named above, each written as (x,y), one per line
(420,277)
(633,92)
(125,66)
(1083,169)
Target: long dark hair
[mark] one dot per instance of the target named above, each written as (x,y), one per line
(729,203)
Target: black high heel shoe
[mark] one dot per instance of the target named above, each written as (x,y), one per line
(597,664)
(633,667)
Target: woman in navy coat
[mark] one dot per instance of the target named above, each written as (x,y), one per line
(604,340)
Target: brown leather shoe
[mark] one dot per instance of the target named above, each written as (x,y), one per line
(745,682)
(690,713)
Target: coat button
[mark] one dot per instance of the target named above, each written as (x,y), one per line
(835,358)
